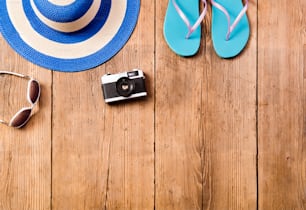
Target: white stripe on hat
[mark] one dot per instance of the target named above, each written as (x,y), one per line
(62,2)
(70,26)
(61,50)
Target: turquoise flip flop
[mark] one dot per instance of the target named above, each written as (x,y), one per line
(230,27)
(182,30)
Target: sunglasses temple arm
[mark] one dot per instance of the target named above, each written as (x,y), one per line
(15,74)
(3,122)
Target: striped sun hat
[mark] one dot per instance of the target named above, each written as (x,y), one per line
(68,35)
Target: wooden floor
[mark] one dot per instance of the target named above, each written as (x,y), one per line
(213,133)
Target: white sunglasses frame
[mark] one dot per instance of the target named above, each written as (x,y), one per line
(10,123)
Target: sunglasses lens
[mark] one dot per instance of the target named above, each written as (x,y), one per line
(34,91)
(21,118)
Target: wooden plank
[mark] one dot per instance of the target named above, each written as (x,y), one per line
(229,124)
(179,143)
(205,125)
(282,97)
(25,154)
(80,152)
(103,155)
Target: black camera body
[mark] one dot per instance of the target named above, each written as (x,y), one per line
(123,86)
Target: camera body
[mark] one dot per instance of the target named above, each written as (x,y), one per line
(123,86)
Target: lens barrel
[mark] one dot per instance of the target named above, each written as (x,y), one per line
(125,86)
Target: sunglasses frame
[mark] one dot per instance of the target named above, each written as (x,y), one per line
(28,98)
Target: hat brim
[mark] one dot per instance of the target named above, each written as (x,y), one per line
(78,51)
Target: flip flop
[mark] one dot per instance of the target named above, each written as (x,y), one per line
(230,27)
(182,29)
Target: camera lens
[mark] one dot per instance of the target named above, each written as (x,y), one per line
(125,86)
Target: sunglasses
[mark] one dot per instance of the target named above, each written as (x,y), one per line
(33,93)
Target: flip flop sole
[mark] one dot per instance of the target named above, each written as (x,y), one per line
(175,30)
(239,36)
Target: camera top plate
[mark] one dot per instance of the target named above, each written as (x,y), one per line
(110,78)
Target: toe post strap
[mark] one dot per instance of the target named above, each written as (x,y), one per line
(191,28)
(230,26)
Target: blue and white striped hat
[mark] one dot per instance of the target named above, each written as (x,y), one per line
(68,35)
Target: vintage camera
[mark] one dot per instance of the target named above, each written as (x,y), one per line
(123,86)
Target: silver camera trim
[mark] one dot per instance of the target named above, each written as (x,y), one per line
(121,98)
(110,78)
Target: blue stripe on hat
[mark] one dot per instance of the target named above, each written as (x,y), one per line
(59,13)
(70,65)
(72,37)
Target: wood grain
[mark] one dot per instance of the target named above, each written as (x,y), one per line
(281,122)
(178,138)
(205,126)
(212,134)
(229,124)
(103,155)
(25,154)
(130,126)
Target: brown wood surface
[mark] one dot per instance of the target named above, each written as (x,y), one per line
(212,134)
(281,105)
(25,154)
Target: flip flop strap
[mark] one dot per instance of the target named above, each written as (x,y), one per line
(191,28)
(230,26)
